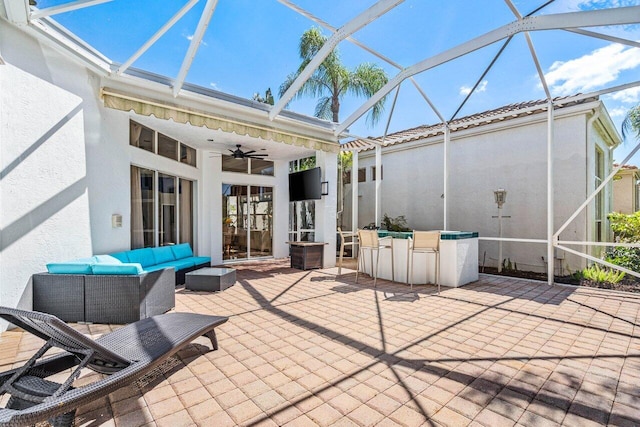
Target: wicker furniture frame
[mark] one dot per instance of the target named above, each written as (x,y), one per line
(104,298)
(123,355)
(181,274)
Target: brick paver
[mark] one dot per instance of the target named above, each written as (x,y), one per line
(310,348)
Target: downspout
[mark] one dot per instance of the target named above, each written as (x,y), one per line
(590,122)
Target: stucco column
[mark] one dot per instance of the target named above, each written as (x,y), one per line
(354,191)
(378,184)
(210,208)
(550,200)
(326,208)
(447,140)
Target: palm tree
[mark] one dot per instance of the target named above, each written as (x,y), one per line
(631,122)
(332,80)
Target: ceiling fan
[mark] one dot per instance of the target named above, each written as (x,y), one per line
(239,154)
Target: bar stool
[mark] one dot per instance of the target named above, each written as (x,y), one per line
(369,240)
(426,242)
(344,241)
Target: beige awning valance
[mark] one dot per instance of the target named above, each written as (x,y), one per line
(179,114)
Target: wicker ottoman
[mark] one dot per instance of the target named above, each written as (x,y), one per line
(210,279)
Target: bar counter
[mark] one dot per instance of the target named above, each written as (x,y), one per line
(458,259)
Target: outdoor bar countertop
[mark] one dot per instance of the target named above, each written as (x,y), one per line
(458,259)
(444,235)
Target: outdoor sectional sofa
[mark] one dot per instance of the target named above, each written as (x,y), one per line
(119,288)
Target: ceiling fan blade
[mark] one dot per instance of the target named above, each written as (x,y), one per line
(249,152)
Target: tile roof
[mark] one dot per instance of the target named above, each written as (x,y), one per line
(629,167)
(506,112)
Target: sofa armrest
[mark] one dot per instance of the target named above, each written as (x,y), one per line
(160,291)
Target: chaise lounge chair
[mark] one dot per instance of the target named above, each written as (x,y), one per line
(124,355)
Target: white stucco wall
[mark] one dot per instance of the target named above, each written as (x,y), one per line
(45,196)
(510,155)
(624,191)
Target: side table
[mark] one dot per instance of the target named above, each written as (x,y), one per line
(210,279)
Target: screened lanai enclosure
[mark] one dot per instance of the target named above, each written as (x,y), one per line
(445,62)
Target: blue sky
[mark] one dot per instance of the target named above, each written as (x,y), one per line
(251,45)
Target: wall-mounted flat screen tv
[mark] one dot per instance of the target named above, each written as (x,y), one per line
(305,185)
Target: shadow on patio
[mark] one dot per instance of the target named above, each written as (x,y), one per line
(307,348)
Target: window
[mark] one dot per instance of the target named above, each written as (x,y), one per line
(153,192)
(599,200)
(185,202)
(229,164)
(167,213)
(187,155)
(347,177)
(362,175)
(302,164)
(373,173)
(247,165)
(302,217)
(142,205)
(142,137)
(261,167)
(167,147)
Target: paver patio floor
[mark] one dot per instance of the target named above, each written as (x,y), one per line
(305,348)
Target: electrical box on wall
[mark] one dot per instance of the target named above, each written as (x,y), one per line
(116,221)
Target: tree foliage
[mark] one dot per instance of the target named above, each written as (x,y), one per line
(626,229)
(631,122)
(332,79)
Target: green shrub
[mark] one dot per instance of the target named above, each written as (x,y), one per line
(626,228)
(398,223)
(597,274)
(624,257)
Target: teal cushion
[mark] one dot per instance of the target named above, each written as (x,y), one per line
(128,268)
(122,256)
(156,267)
(179,264)
(69,267)
(201,260)
(182,250)
(144,257)
(163,254)
(106,259)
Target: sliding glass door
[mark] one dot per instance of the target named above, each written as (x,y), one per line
(247,226)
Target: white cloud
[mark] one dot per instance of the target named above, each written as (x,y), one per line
(593,70)
(628,96)
(466,90)
(618,112)
(214,85)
